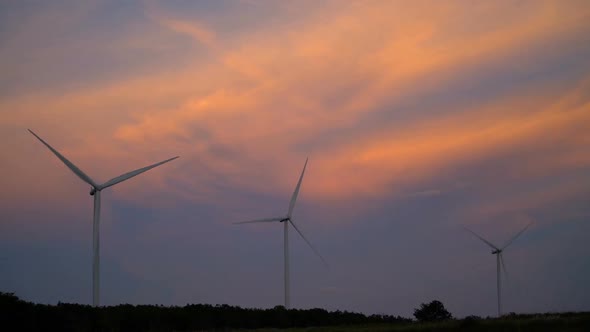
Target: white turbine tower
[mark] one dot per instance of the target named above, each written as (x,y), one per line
(499,261)
(286,220)
(95,191)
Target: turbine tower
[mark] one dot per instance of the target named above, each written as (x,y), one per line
(499,261)
(95,190)
(286,220)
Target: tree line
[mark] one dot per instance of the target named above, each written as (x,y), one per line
(27,316)
(19,315)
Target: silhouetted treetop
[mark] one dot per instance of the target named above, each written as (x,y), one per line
(432,312)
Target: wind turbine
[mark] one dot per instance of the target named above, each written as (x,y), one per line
(95,190)
(286,220)
(499,261)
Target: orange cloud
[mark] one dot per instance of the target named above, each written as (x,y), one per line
(268,97)
(430,147)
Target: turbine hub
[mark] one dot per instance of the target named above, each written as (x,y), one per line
(92,191)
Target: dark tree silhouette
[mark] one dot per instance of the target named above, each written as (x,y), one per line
(432,312)
(19,315)
(28,316)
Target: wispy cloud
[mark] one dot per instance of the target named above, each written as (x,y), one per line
(286,91)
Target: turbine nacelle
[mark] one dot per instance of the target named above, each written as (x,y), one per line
(92,191)
(497,251)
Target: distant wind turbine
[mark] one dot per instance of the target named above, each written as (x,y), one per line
(286,220)
(95,191)
(499,260)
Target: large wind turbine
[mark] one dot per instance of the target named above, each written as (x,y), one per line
(95,190)
(286,220)
(499,261)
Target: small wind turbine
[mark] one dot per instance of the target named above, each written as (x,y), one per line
(95,190)
(286,220)
(499,261)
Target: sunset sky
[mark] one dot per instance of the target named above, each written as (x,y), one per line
(418,118)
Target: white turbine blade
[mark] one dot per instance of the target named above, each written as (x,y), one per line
(296,192)
(517,235)
(131,174)
(68,163)
(260,220)
(481,238)
(309,243)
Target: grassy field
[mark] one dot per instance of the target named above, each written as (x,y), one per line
(575,322)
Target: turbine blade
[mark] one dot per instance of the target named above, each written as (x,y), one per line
(259,220)
(296,192)
(517,235)
(309,243)
(131,174)
(68,163)
(481,238)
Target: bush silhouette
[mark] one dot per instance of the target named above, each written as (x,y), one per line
(432,312)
